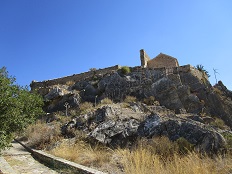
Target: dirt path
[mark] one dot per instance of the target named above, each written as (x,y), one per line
(22,162)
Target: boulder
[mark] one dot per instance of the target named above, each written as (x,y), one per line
(54,93)
(205,139)
(116,133)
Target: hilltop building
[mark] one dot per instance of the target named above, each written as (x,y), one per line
(160,61)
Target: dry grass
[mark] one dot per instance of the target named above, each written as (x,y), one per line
(70,83)
(143,161)
(83,153)
(130,99)
(86,107)
(156,156)
(41,135)
(159,155)
(106,101)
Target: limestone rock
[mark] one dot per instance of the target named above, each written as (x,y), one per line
(54,93)
(204,138)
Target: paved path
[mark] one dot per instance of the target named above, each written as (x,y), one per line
(17,160)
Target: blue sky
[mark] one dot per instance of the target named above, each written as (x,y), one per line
(46,39)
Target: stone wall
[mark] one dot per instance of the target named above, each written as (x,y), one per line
(163,60)
(144,58)
(74,78)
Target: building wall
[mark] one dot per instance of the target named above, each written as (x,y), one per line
(163,60)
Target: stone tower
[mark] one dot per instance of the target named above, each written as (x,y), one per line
(144,58)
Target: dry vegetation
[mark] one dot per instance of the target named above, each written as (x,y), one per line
(158,155)
(42,135)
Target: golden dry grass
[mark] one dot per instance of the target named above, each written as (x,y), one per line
(83,153)
(143,159)
(86,107)
(106,101)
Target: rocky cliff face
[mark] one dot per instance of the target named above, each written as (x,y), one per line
(185,91)
(190,103)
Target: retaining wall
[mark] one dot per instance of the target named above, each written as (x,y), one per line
(60,163)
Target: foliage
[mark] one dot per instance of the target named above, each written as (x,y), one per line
(18,107)
(202,69)
(218,123)
(228,137)
(184,146)
(125,70)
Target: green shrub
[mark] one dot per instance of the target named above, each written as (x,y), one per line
(228,137)
(218,123)
(125,70)
(184,146)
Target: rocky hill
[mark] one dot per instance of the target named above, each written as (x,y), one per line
(177,102)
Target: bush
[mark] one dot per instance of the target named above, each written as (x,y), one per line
(218,123)
(41,135)
(228,137)
(184,146)
(125,70)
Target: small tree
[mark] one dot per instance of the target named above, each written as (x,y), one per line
(18,107)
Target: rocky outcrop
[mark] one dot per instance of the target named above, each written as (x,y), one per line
(109,125)
(56,98)
(205,138)
(183,91)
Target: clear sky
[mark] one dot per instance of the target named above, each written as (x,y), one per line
(46,39)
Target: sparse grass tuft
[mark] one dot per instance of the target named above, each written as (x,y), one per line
(106,101)
(150,100)
(70,83)
(218,123)
(86,107)
(130,99)
(217,91)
